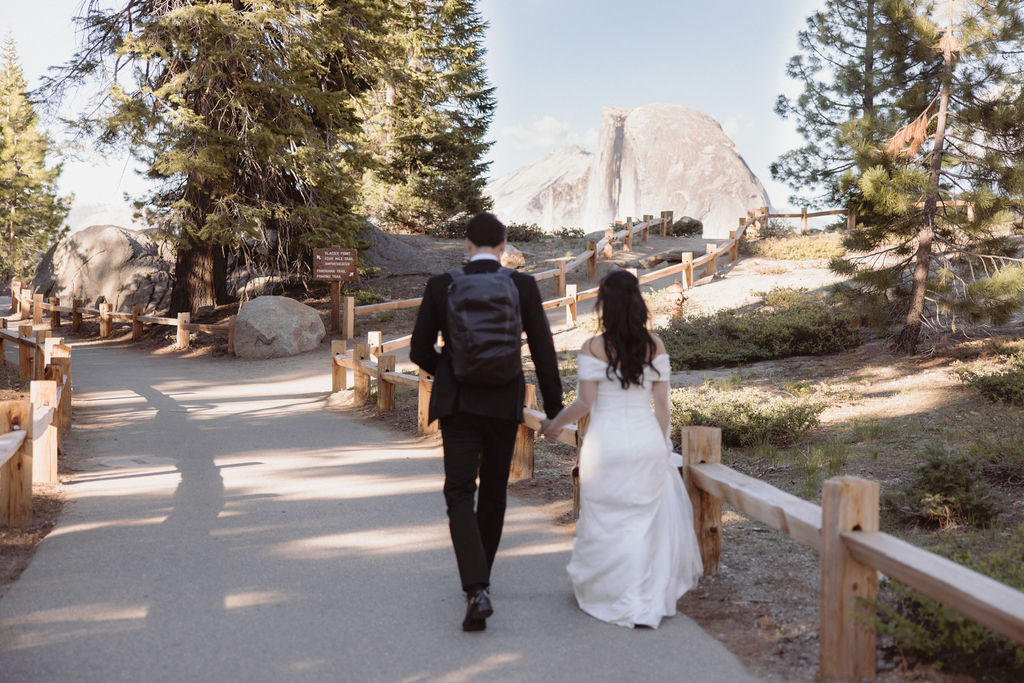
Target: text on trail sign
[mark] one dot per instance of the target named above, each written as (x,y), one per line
(335,263)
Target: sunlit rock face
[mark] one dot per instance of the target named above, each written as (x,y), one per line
(125,268)
(654,158)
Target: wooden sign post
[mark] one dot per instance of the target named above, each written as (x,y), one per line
(335,265)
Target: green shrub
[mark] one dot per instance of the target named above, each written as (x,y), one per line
(521,232)
(569,234)
(748,417)
(1005,384)
(365,297)
(921,627)
(687,227)
(946,490)
(799,247)
(818,461)
(795,324)
(453,228)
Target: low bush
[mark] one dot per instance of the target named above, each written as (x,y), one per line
(799,247)
(687,227)
(794,323)
(748,417)
(523,232)
(946,490)
(569,234)
(1005,384)
(923,628)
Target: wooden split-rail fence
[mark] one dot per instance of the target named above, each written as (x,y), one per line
(844,531)
(30,305)
(32,431)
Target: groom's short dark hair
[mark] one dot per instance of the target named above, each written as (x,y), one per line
(485,230)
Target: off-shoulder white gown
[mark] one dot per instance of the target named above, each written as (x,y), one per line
(636,551)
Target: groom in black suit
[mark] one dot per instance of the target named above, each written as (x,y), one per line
(478,421)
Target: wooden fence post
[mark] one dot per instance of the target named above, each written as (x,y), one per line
(106,322)
(628,242)
(803,221)
(349,317)
(76,315)
(851,220)
(385,389)
(374,340)
(608,249)
(40,354)
(3,344)
(592,261)
(43,394)
(25,303)
(25,351)
(37,309)
(581,431)
(704,444)
(184,338)
(138,327)
(360,377)
(60,356)
(570,310)
(645,236)
(16,474)
(522,456)
(15,288)
(54,313)
(339,373)
(734,250)
(846,648)
(560,279)
(687,274)
(711,267)
(426,386)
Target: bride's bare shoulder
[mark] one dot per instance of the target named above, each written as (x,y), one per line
(594,347)
(659,346)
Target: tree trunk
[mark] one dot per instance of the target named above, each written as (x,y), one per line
(200,278)
(908,337)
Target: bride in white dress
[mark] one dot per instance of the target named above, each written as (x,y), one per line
(636,551)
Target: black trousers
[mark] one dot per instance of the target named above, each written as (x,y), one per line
(474,444)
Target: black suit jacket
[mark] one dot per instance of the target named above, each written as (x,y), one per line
(504,401)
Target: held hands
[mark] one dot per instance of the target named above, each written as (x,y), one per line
(546,431)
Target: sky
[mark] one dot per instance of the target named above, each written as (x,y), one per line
(554,63)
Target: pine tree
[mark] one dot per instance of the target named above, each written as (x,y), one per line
(244,114)
(861,70)
(31,212)
(429,116)
(938,207)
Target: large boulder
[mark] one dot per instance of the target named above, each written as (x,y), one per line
(654,158)
(276,326)
(125,268)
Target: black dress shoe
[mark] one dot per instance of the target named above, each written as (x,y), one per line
(478,608)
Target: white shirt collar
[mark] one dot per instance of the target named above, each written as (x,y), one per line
(484,256)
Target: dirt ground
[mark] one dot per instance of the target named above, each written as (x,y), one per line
(765,611)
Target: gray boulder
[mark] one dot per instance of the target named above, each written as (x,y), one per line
(276,326)
(657,157)
(125,268)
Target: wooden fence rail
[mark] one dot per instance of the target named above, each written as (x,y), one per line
(31,305)
(32,432)
(844,531)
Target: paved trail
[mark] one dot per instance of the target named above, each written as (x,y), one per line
(225,525)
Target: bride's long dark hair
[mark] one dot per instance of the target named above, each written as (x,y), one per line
(627,343)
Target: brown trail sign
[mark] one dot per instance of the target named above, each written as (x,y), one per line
(335,265)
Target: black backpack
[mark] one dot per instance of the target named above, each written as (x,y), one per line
(484,327)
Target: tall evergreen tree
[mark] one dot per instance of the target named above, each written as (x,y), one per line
(428,117)
(31,212)
(861,70)
(938,208)
(244,113)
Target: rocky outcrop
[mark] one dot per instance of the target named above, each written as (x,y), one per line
(125,268)
(275,327)
(656,157)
